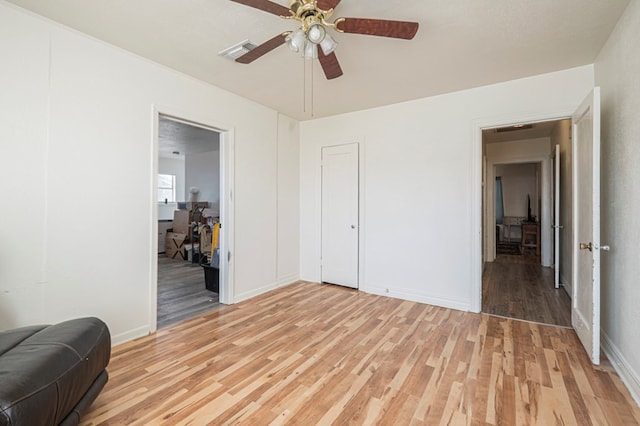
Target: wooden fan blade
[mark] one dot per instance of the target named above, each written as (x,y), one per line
(267,6)
(328,4)
(261,50)
(378,27)
(330,64)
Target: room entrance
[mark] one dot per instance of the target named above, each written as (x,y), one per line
(519,213)
(193,181)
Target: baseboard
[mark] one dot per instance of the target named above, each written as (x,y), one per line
(414,297)
(240,297)
(129,335)
(288,279)
(629,377)
(565,283)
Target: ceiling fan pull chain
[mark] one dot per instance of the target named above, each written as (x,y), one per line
(312,92)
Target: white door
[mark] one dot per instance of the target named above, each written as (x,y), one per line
(340,194)
(585,303)
(556,216)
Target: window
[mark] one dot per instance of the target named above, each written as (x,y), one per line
(166,188)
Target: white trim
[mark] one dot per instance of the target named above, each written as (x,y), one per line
(288,279)
(227,149)
(241,297)
(227,215)
(476,190)
(129,335)
(361,214)
(624,369)
(411,296)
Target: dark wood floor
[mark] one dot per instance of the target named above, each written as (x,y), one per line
(181,292)
(519,287)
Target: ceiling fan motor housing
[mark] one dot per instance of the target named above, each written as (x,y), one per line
(307,12)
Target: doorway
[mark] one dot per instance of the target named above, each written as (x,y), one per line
(189,188)
(518,218)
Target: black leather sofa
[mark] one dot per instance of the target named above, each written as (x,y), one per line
(50,375)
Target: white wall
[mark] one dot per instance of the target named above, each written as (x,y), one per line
(518,181)
(176,167)
(421,180)
(288,200)
(203,172)
(71,107)
(616,71)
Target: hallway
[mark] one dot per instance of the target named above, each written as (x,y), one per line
(517,286)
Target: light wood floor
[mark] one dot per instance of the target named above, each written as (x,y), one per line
(519,287)
(319,354)
(181,292)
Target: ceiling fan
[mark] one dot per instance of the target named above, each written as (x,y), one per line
(312,39)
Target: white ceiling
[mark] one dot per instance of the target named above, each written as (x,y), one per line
(177,139)
(461,44)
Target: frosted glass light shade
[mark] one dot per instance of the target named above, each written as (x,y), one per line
(296,40)
(311,51)
(328,45)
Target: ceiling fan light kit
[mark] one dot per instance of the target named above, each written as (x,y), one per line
(313,31)
(307,42)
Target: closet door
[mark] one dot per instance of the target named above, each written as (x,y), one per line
(340,195)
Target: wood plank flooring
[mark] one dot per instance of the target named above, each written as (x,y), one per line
(181,292)
(519,287)
(320,354)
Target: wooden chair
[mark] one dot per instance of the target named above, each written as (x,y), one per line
(530,237)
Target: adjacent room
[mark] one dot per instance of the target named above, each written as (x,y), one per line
(188,220)
(364,213)
(531,193)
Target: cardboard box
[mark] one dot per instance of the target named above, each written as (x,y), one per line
(174,246)
(181,222)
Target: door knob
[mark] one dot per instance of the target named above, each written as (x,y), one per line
(353,227)
(585,246)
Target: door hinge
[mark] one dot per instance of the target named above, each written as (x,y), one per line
(228,256)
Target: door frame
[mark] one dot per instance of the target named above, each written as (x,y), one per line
(227,210)
(362,148)
(479,185)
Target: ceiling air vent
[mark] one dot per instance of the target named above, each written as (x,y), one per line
(234,52)
(514,128)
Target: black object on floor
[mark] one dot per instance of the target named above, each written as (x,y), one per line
(211,278)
